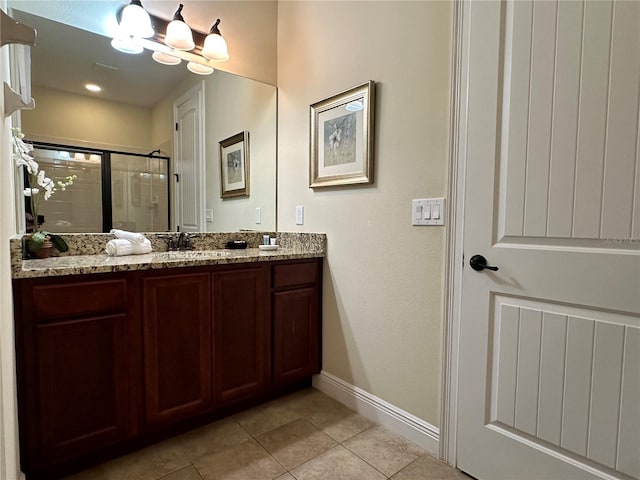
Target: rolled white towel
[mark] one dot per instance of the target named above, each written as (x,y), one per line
(121,246)
(132,236)
(141,247)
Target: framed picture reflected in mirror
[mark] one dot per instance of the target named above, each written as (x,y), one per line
(234,166)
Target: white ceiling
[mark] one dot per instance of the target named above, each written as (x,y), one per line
(64,56)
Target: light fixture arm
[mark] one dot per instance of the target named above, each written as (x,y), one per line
(178,14)
(215,29)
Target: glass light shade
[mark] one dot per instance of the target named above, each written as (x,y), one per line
(199,69)
(215,48)
(125,45)
(179,36)
(135,21)
(165,58)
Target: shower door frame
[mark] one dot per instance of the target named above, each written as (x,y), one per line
(105,176)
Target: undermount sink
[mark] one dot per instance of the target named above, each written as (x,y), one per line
(191,254)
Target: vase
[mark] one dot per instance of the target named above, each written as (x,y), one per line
(44,251)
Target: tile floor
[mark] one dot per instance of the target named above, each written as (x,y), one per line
(303,436)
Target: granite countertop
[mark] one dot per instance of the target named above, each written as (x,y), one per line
(291,246)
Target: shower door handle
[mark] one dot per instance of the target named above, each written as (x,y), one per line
(177,177)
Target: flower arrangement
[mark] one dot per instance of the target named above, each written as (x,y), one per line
(40,189)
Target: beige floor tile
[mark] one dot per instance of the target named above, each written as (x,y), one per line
(295,443)
(286,476)
(386,451)
(246,461)
(268,416)
(306,402)
(337,464)
(212,438)
(338,421)
(147,464)
(427,467)
(187,473)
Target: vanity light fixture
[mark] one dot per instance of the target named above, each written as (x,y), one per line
(126,45)
(215,47)
(135,21)
(178,34)
(199,69)
(165,58)
(176,44)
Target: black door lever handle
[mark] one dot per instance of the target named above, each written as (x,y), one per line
(479,263)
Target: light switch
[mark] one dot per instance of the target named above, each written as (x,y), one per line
(258,215)
(418,211)
(427,211)
(208,214)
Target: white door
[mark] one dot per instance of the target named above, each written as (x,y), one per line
(188,168)
(549,362)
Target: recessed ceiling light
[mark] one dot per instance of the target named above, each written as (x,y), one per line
(92,87)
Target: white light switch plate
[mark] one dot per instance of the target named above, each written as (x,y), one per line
(425,210)
(258,215)
(208,213)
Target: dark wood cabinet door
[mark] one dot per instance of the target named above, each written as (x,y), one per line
(241,333)
(296,338)
(82,387)
(177,346)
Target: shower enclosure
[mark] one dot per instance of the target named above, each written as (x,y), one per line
(113,189)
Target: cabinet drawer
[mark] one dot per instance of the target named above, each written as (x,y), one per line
(294,274)
(72,299)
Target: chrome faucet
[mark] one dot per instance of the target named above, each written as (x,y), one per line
(182,242)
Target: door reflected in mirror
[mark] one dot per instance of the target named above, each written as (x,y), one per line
(134,112)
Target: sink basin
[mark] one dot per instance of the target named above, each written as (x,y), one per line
(191,254)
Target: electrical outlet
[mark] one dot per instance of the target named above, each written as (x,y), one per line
(299,215)
(258,215)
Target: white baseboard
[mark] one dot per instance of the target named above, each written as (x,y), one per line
(377,410)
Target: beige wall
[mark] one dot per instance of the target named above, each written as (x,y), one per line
(383,284)
(67,118)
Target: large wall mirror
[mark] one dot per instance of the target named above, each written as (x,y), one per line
(128,119)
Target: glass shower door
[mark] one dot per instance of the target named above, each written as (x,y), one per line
(139,193)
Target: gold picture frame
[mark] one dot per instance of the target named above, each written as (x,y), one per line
(342,138)
(234,166)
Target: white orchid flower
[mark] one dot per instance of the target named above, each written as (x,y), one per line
(45,182)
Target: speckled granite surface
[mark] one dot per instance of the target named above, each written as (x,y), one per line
(86,253)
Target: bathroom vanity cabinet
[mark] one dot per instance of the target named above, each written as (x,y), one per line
(112,361)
